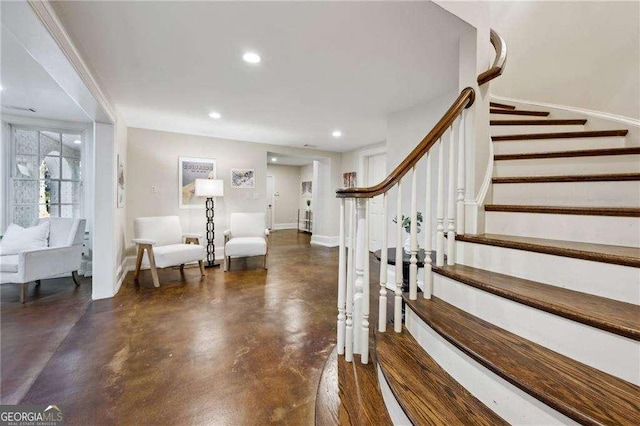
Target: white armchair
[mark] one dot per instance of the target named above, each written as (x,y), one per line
(165,245)
(247,236)
(62,255)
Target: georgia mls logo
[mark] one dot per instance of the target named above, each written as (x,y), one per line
(31,415)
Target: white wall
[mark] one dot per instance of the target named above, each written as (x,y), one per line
(580,54)
(121,145)
(287,194)
(152,159)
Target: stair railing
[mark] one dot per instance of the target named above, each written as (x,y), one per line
(353,263)
(353,269)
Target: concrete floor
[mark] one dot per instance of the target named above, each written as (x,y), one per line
(244,347)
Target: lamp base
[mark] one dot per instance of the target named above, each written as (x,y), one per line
(211,265)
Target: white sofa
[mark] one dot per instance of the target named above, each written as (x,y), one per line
(63,255)
(165,244)
(247,236)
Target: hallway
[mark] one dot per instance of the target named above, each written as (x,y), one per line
(243,347)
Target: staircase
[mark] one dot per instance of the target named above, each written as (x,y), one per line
(537,320)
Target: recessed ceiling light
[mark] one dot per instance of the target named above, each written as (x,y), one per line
(336,133)
(215,115)
(77,141)
(251,57)
(274,159)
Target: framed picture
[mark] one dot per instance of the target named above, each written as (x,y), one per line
(243,178)
(121,193)
(190,169)
(349,179)
(306,189)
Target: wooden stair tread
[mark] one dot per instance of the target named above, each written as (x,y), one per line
(606,314)
(561,135)
(348,394)
(545,122)
(499,105)
(427,393)
(618,255)
(563,154)
(518,112)
(613,177)
(582,393)
(580,211)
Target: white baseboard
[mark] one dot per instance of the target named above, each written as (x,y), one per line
(325,240)
(280,226)
(121,273)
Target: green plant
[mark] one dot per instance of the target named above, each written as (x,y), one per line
(406,222)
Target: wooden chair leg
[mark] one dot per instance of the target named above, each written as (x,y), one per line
(265,261)
(181,267)
(23,292)
(139,261)
(227,263)
(152,264)
(201,263)
(76,278)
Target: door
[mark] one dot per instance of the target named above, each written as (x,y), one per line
(376,171)
(271,189)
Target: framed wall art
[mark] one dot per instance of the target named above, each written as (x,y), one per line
(189,170)
(243,178)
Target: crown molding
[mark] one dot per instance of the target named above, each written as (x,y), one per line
(49,19)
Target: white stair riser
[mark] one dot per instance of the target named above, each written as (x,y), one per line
(512,404)
(555,145)
(583,343)
(493,116)
(397,414)
(612,194)
(601,279)
(568,166)
(619,231)
(497,130)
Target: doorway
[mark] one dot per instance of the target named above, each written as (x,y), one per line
(270,200)
(375,170)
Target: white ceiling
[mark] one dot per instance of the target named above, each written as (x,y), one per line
(27,85)
(325,65)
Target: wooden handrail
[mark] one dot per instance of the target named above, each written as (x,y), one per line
(499,63)
(465,100)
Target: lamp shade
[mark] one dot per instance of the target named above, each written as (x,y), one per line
(209,188)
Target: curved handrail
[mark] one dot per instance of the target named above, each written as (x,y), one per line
(499,63)
(464,100)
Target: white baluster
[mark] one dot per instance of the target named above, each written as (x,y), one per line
(428,227)
(461,174)
(364,358)
(349,305)
(413,236)
(342,282)
(451,199)
(359,284)
(397,315)
(440,207)
(382,307)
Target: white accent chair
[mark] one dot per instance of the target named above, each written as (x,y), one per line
(165,245)
(63,255)
(248,236)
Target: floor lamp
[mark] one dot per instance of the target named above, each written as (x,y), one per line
(210,188)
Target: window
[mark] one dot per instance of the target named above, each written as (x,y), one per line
(46,178)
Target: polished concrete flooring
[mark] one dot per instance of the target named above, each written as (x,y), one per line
(244,347)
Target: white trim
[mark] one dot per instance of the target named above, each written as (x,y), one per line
(279,226)
(598,114)
(50,20)
(325,240)
(397,414)
(121,274)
